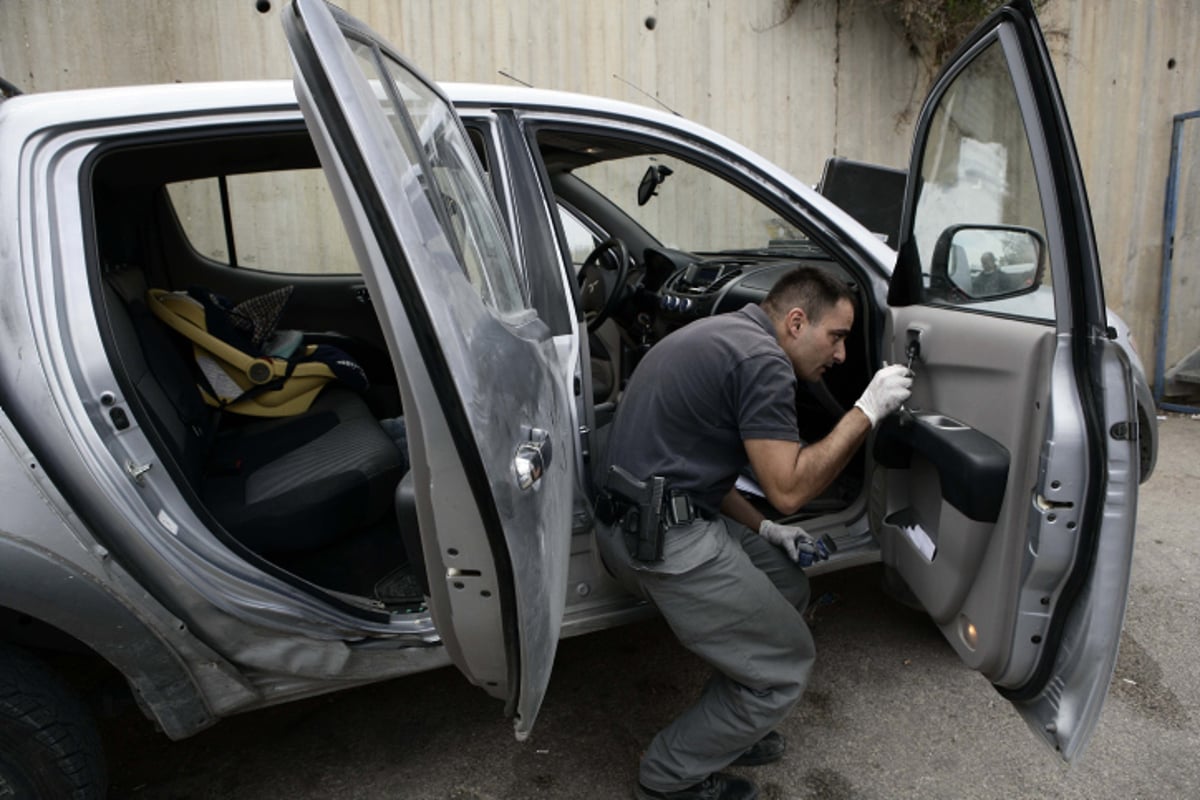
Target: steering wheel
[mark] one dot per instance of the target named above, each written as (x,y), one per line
(601,279)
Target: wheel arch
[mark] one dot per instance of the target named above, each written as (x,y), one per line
(54,605)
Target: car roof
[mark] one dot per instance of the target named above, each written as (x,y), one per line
(22,115)
(109,103)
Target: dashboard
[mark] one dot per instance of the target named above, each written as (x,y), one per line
(677,288)
(686,287)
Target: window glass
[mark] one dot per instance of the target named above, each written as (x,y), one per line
(479,145)
(449,174)
(580,239)
(198,207)
(979,228)
(690,209)
(283,222)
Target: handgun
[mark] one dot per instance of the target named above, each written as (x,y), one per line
(643,530)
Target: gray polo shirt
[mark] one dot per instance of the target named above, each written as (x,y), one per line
(696,396)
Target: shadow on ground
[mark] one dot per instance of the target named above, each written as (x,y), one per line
(434,735)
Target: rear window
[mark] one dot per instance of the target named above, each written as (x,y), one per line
(283,221)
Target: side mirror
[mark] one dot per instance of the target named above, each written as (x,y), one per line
(987,262)
(655,174)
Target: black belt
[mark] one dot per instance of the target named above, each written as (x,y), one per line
(678,509)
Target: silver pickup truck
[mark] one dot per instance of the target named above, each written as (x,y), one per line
(303,384)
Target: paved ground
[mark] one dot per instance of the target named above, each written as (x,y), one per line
(890,713)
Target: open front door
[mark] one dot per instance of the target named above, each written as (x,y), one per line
(485,388)
(1005,494)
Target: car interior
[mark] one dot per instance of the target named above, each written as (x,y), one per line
(679,266)
(318,495)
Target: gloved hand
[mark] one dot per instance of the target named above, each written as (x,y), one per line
(886,392)
(799,546)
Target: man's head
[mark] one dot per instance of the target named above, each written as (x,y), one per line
(813,313)
(988,262)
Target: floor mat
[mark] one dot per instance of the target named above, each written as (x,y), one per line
(353,565)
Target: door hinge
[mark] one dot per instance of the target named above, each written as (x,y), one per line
(1124,431)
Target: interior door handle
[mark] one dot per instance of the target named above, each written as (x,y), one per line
(912,352)
(532,458)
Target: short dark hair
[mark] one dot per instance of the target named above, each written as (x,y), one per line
(810,288)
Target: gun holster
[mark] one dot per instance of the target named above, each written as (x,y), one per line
(636,507)
(644,511)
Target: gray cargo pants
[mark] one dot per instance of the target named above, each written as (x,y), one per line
(734,600)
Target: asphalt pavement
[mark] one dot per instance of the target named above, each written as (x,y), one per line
(890,711)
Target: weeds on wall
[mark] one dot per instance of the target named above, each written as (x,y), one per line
(934,28)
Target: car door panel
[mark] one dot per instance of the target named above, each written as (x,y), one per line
(1062,702)
(1004,497)
(485,385)
(971,467)
(978,395)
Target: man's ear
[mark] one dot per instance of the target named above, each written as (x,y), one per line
(796,319)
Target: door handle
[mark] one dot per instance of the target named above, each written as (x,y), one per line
(912,352)
(532,458)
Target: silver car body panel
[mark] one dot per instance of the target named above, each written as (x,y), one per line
(279,641)
(285,641)
(1015,587)
(1066,711)
(481,375)
(55,572)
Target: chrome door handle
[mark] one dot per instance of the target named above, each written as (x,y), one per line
(532,458)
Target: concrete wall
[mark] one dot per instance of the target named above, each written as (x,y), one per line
(1126,68)
(833,76)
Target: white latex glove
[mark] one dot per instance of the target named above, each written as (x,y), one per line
(886,392)
(792,538)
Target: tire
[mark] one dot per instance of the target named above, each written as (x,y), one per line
(49,747)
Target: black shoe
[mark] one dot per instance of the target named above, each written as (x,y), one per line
(765,751)
(717,786)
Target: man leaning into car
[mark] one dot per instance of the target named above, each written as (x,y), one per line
(707,401)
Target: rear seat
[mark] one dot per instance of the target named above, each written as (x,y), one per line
(277,485)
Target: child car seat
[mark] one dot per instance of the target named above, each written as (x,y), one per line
(268,374)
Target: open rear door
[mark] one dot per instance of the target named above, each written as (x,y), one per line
(485,387)
(1005,494)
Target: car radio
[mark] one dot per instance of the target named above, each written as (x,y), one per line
(694,290)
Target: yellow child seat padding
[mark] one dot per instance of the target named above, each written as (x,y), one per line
(258,386)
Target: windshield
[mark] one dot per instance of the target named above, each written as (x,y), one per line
(689,208)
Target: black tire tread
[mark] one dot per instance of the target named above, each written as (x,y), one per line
(50,726)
